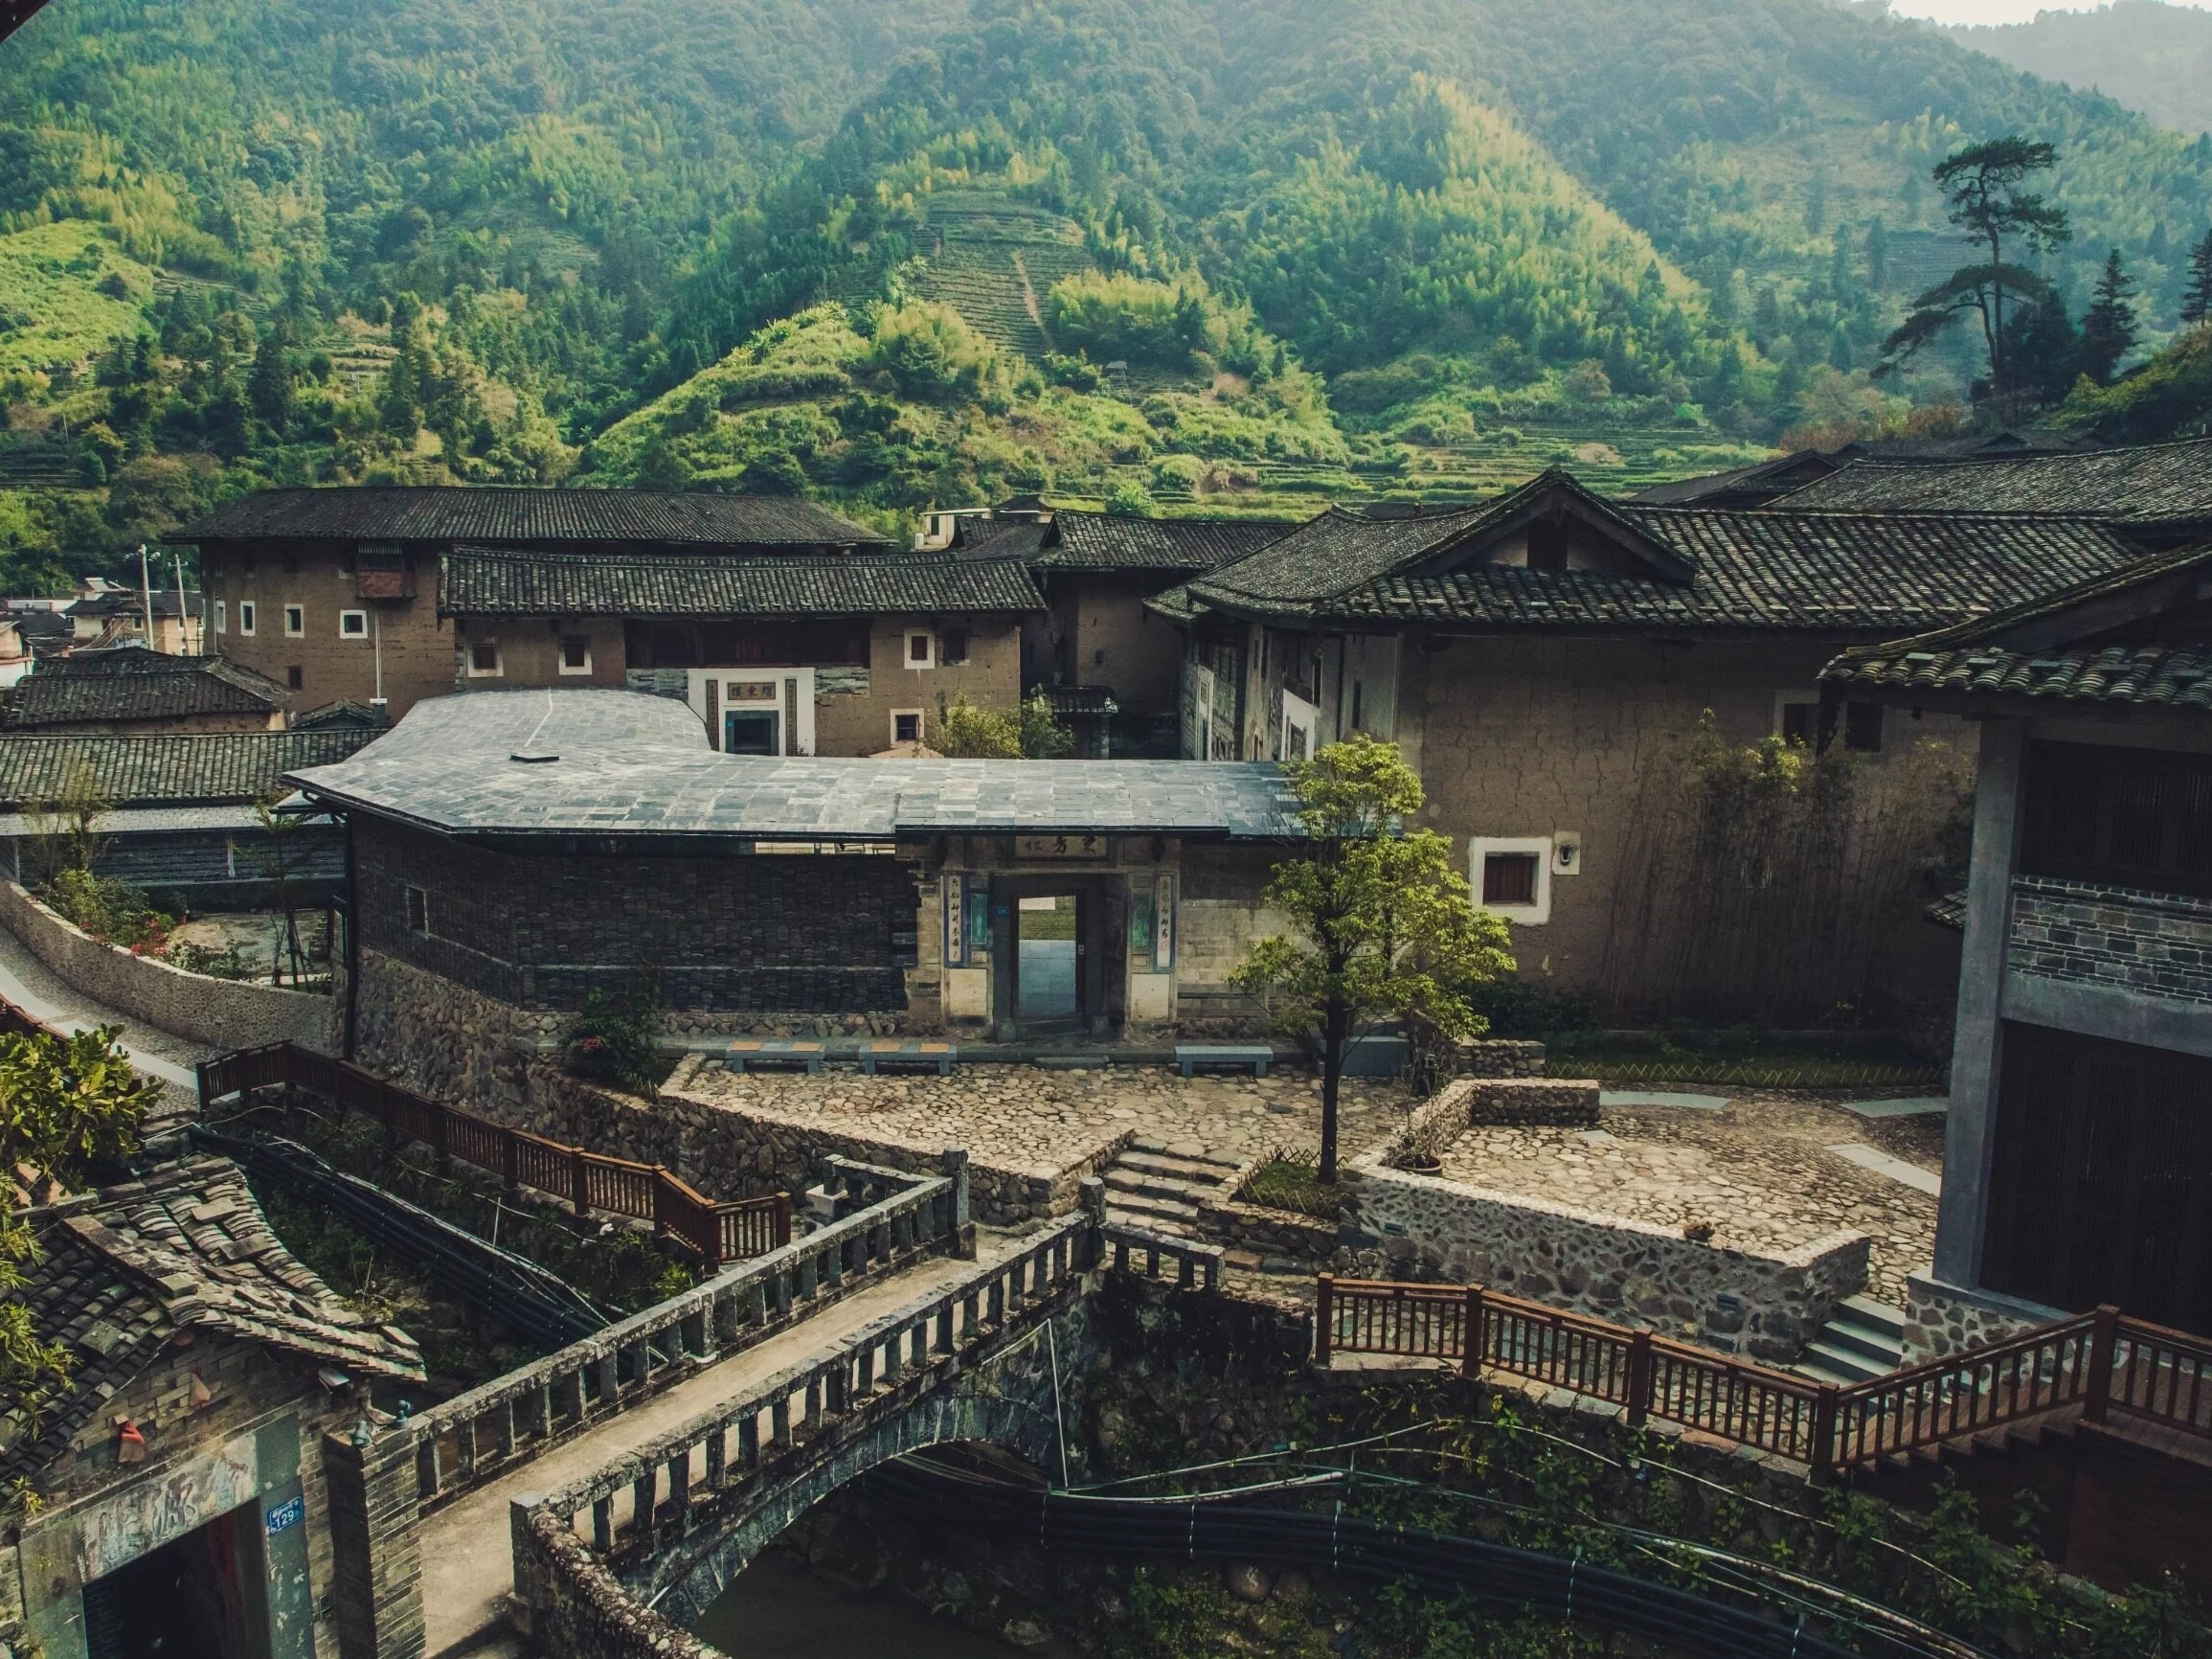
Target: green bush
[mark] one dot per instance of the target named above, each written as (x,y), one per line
(111,909)
(1127,319)
(1525,1008)
(615,1039)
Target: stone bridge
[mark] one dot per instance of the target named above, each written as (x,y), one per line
(602,1497)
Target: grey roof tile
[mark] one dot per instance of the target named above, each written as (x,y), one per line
(628,762)
(130,683)
(181,770)
(2143,485)
(480,581)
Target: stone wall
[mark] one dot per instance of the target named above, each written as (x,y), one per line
(2156,944)
(1501,1058)
(1404,1226)
(1569,1101)
(1941,1319)
(223,1013)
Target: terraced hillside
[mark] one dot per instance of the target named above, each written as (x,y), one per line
(993,259)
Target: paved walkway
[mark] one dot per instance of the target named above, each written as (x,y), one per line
(468,1555)
(47,997)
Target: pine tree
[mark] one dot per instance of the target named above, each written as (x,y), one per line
(2109,326)
(2196,296)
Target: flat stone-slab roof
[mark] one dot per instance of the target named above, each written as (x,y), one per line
(610,763)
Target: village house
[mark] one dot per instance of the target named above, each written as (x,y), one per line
(515,851)
(335,593)
(1561,667)
(130,690)
(2078,1157)
(181,1471)
(175,816)
(1111,667)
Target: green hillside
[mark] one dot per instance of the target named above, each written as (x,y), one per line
(1228,254)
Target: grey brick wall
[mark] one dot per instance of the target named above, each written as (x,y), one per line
(746,934)
(2159,945)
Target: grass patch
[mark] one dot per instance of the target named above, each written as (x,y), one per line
(1290,1181)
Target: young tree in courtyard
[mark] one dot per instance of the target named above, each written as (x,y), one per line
(1387,926)
(1984,195)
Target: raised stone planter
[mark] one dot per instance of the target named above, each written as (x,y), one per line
(1501,1058)
(1402,1226)
(1552,1100)
(225,1013)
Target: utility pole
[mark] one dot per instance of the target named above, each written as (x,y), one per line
(146,596)
(183,619)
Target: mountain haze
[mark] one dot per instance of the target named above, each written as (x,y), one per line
(2152,56)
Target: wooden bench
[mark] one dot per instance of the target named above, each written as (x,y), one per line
(886,1051)
(775,1050)
(1189,1056)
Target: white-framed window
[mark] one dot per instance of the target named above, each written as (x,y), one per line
(576,653)
(483,662)
(906,726)
(922,648)
(245,617)
(222,617)
(295,620)
(353,624)
(1512,875)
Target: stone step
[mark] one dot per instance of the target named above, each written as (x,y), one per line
(1139,1211)
(1193,1169)
(1175,1226)
(1120,1180)
(1868,1340)
(1864,1310)
(1187,1152)
(1826,1362)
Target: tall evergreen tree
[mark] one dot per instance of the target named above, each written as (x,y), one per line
(2109,326)
(2196,297)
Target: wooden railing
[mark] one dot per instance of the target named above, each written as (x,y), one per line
(2104,1363)
(715,1233)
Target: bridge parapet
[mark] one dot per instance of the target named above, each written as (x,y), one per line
(670,1508)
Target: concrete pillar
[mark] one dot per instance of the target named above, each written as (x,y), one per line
(1977,1044)
(376,1566)
(955,1164)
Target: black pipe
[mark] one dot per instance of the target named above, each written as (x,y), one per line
(1211,1529)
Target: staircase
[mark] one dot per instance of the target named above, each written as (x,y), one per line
(1162,1184)
(1865,1339)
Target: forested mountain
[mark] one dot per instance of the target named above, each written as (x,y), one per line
(2149,56)
(1257,251)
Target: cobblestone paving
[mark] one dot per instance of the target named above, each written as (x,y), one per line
(1024,1117)
(1757,1171)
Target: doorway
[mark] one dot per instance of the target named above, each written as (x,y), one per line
(1060,964)
(197,1597)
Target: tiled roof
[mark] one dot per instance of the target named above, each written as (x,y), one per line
(345,713)
(481,582)
(1948,911)
(130,683)
(612,762)
(126,1270)
(1745,569)
(1117,541)
(456,514)
(2151,483)
(1762,481)
(2026,651)
(1016,539)
(169,769)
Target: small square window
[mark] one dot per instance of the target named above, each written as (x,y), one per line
(906,726)
(1862,727)
(920,651)
(222,617)
(295,620)
(245,616)
(293,680)
(1509,878)
(952,646)
(417,910)
(483,659)
(353,624)
(1800,724)
(576,653)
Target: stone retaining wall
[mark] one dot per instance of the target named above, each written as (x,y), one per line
(222,1012)
(1525,1101)
(1941,1319)
(1405,1226)
(1501,1058)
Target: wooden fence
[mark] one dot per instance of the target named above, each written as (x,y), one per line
(714,1232)
(2104,1363)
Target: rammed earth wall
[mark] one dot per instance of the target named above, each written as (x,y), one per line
(223,1013)
(1402,1226)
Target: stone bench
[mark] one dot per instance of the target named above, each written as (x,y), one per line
(941,1056)
(1524,1100)
(1189,1056)
(746,1051)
